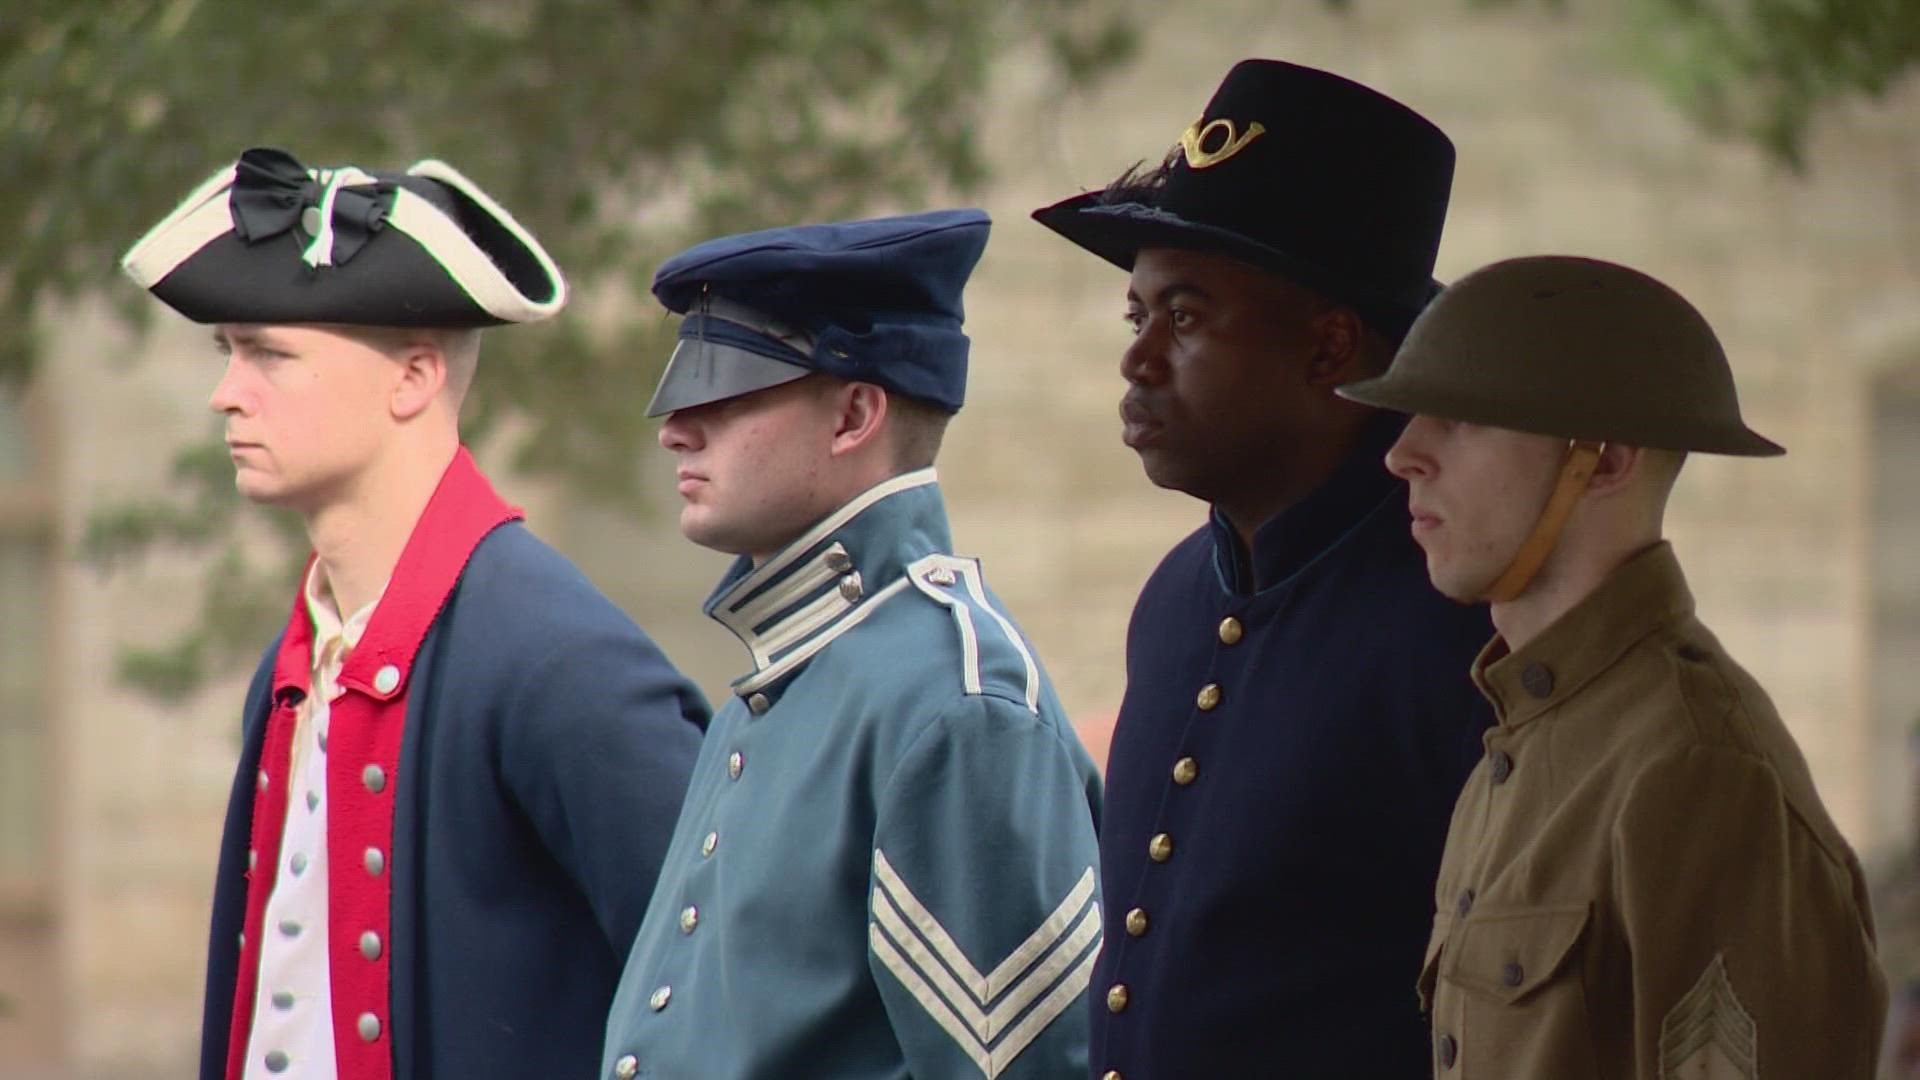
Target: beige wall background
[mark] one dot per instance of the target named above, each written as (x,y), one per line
(1806,566)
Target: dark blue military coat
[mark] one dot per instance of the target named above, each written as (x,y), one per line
(1298,721)
(547,747)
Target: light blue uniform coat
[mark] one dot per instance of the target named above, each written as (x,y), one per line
(884,867)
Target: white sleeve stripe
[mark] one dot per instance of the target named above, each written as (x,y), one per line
(1045,936)
(971,574)
(1043,1015)
(1066,923)
(930,1001)
(986,1026)
(925,967)
(960,1018)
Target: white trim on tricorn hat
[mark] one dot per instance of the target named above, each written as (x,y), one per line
(192,225)
(218,278)
(476,273)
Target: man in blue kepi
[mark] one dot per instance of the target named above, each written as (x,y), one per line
(885,864)
(1298,718)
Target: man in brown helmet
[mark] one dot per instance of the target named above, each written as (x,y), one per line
(1640,879)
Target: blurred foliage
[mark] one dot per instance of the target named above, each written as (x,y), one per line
(1764,70)
(617,130)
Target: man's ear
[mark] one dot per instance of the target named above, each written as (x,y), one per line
(1339,347)
(1618,466)
(860,413)
(422,375)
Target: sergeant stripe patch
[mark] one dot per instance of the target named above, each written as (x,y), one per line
(996,1015)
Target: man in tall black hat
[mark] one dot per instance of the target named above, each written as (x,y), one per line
(460,764)
(1298,719)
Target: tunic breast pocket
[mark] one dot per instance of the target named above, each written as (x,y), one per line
(1519,1000)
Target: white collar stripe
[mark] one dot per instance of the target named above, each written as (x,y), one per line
(784,594)
(769,674)
(828,606)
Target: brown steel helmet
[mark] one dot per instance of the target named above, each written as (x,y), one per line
(1578,348)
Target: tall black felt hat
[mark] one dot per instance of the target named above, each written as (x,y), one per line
(1312,176)
(267,240)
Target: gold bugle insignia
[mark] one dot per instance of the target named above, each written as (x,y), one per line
(1193,142)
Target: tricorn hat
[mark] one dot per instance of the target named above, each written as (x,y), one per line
(872,301)
(267,240)
(1297,171)
(1571,347)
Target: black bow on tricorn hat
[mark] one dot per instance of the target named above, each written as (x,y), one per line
(1298,171)
(269,240)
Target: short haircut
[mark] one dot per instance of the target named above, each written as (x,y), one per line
(460,346)
(918,428)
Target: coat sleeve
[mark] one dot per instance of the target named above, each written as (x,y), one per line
(984,913)
(597,748)
(1751,939)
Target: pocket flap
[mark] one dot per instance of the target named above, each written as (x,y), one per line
(1508,953)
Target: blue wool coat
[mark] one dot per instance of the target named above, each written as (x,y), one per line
(885,866)
(547,747)
(1297,723)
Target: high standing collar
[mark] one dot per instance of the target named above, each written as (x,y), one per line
(1646,593)
(1300,534)
(832,577)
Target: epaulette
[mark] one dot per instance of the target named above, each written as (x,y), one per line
(994,657)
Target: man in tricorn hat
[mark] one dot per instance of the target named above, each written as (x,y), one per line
(885,864)
(460,763)
(1296,722)
(1640,879)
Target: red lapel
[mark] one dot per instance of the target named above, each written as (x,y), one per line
(363,767)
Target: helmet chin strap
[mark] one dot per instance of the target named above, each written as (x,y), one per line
(1576,472)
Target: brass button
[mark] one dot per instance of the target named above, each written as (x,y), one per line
(1230,631)
(375,778)
(736,764)
(1208,697)
(1538,679)
(369,1026)
(839,562)
(689,918)
(1501,764)
(1112,1074)
(1117,997)
(1137,922)
(660,998)
(1185,770)
(375,861)
(758,704)
(1160,848)
(706,846)
(850,588)
(626,1068)
(370,945)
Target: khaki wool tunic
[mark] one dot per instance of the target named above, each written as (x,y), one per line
(1640,880)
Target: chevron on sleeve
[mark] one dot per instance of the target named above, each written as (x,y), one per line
(996,1015)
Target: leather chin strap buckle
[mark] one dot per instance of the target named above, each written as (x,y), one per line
(1576,472)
